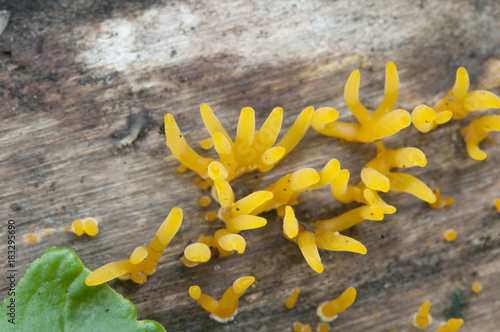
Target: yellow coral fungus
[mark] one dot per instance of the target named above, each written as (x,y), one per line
(224,310)
(309,242)
(441,201)
(143,260)
(88,226)
(477,131)
(292,299)
(452,325)
(323,327)
(377,173)
(383,122)
(422,318)
(250,150)
(461,102)
(197,252)
(426,119)
(204,201)
(497,205)
(328,311)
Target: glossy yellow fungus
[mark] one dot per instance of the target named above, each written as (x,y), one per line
(461,102)
(211,215)
(143,260)
(206,144)
(422,318)
(328,311)
(497,204)
(441,201)
(232,242)
(477,287)
(323,327)
(204,201)
(377,173)
(88,226)
(309,242)
(224,310)
(452,325)
(426,119)
(290,223)
(250,150)
(181,169)
(297,327)
(292,299)
(197,252)
(477,131)
(450,235)
(371,126)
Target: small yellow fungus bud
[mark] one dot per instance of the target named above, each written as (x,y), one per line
(211,216)
(461,102)
(32,238)
(441,201)
(90,226)
(426,119)
(328,311)
(77,227)
(307,328)
(477,131)
(181,169)
(383,122)
(224,310)
(452,325)
(450,235)
(323,327)
(290,223)
(297,327)
(206,144)
(205,201)
(497,205)
(292,299)
(197,252)
(477,287)
(138,255)
(422,318)
(143,261)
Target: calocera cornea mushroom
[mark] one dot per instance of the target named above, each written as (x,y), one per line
(461,102)
(371,126)
(143,261)
(377,173)
(292,299)
(88,226)
(452,325)
(426,119)
(422,318)
(250,150)
(497,205)
(477,131)
(224,310)
(310,241)
(328,311)
(441,201)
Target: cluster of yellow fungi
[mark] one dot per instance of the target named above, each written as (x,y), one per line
(423,319)
(254,149)
(88,226)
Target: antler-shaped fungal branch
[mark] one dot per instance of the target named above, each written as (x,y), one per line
(477,131)
(452,325)
(422,318)
(328,311)
(250,150)
(376,174)
(426,119)
(310,241)
(461,102)
(381,123)
(143,261)
(224,310)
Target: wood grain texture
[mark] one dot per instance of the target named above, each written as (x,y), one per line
(74,76)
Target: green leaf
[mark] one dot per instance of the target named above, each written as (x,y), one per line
(53,296)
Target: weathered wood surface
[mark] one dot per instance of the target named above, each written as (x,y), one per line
(73,72)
